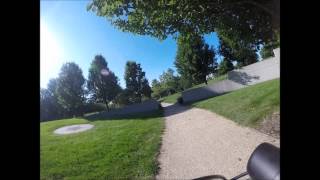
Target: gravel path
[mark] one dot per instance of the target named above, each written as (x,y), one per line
(197,143)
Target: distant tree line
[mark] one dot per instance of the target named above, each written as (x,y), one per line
(195,61)
(70,94)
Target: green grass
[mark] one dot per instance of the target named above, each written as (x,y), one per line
(121,148)
(173,98)
(246,106)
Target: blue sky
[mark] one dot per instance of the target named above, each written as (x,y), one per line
(70,33)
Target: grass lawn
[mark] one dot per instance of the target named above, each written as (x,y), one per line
(173,98)
(246,106)
(120,148)
(212,81)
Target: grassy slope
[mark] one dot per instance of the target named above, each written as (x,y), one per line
(173,98)
(212,81)
(112,149)
(246,106)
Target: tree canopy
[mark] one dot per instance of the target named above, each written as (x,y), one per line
(136,82)
(253,21)
(102,82)
(168,84)
(70,88)
(225,66)
(194,59)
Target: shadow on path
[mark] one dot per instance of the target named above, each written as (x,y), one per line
(172,109)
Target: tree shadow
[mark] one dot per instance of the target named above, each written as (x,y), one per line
(144,110)
(176,108)
(241,77)
(148,115)
(191,103)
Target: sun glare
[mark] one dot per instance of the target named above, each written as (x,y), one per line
(50,54)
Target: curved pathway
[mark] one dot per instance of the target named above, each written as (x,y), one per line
(197,142)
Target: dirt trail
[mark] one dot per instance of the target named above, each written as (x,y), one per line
(197,142)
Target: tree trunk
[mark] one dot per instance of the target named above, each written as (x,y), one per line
(206,82)
(106,102)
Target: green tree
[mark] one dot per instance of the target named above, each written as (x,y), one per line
(169,81)
(225,66)
(185,82)
(102,82)
(156,89)
(168,84)
(267,49)
(136,83)
(254,21)
(49,107)
(46,105)
(226,51)
(244,53)
(122,98)
(70,89)
(266,52)
(194,59)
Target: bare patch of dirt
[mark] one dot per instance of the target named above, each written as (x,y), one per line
(271,125)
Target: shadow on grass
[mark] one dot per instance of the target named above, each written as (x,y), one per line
(192,103)
(131,116)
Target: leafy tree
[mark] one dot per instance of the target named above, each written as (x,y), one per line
(226,51)
(194,59)
(155,83)
(209,63)
(253,21)
(225,66)
(70,89)
(244,53)
(49,107)
(46,105)
(169,81)
(185,82)
(156,89)
(122,98)
(267,49)
(247,56)
(136,83)
(102,82)
(168,84)
(266,52)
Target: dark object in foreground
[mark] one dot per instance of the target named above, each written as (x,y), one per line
(180,100)
(264,163)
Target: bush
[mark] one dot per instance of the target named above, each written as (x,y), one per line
(180,100)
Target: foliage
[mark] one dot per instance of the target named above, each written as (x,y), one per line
(136,83)
(194,59)
(225,66)
(102,82)
(252,20)
(122,98)
(168,84)
(70,89)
